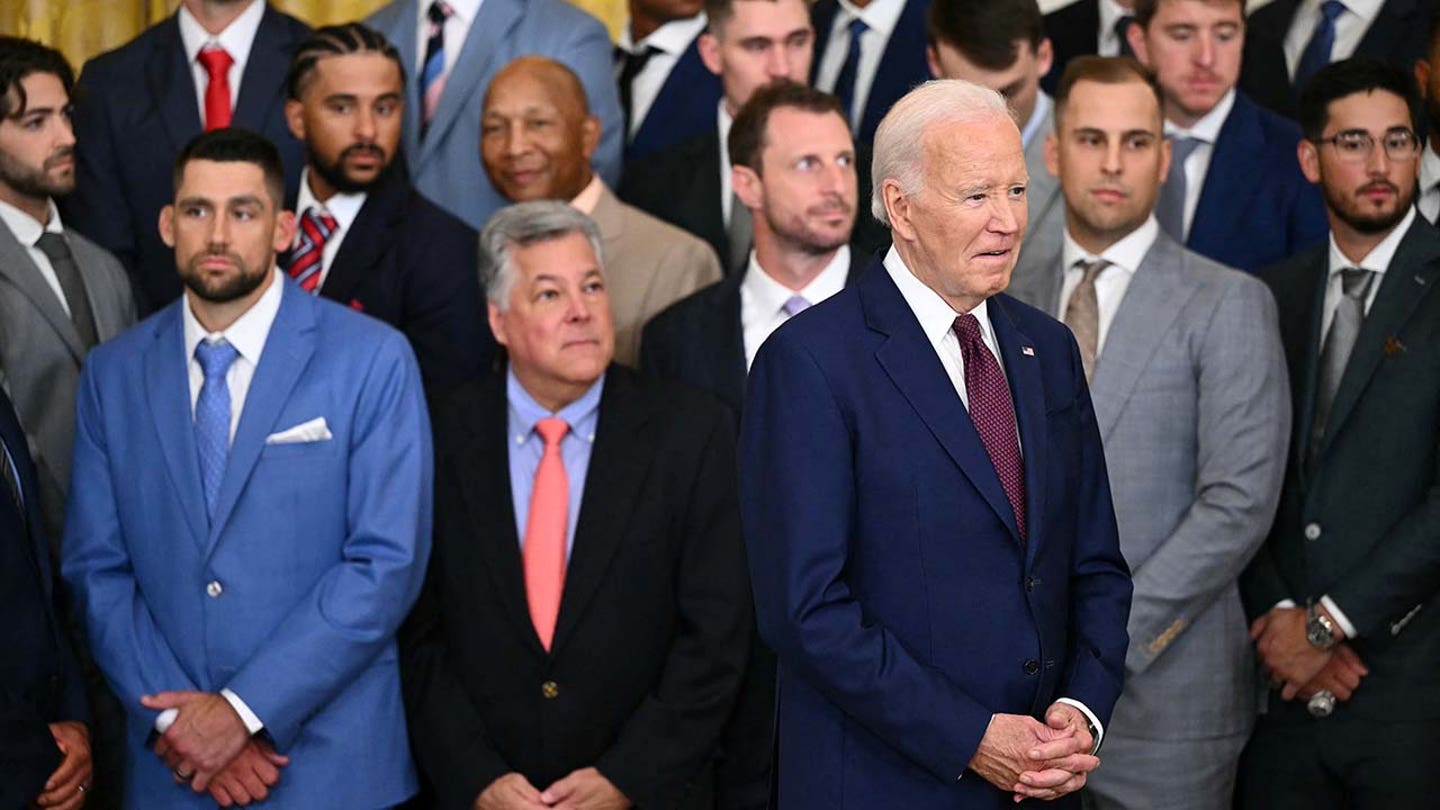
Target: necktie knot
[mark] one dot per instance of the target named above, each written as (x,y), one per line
(215,358)
(216,61)
(858,28)
(1331,10)
(53,245)
(1090,270)
(322,220)
(552,429)
(795,305)
(1182,146)
(967,329)
(439,12)
(1355,282)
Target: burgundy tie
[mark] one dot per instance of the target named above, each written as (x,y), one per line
(993,414)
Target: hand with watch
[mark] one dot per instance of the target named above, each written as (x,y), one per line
(1295,644)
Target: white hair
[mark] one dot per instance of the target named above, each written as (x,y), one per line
(898,152)
(521,225)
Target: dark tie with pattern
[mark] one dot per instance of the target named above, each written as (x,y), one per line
(1317,52)
(1335,354)
(630,66)
(57,250)
(993,413)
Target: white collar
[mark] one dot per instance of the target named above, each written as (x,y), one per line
(1126,254)
(26,230)
(1110,13)
(236,39)
(464,9)
(249,331)
(1378,259)
(344,207)
(936,316)
(880,16)
(1364,9)
(672,38)
(770,295)
(1207,129)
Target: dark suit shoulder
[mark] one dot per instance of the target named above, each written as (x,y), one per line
(1081,12)
(675,407)
(425,217)
(1284,276)
(652,179)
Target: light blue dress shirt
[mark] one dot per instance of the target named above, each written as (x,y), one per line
(526,448)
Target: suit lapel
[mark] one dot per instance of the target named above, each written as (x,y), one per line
(619,462)
(726,333)
(287,352)
(907,358)
(822,17)
(487,35)
(167,380)
(370,235)
(172,84)
(17,266)
(1027,391)
(261,87)
(1395,20)
(1223,193)
(901,65)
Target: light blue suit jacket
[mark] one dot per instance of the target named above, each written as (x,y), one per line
(446,165)
(291,596)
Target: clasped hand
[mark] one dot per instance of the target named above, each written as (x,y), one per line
(208,747)
(1297,666)
(1037,760)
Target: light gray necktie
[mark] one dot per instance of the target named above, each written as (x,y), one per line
(1082,314)
(57,250)
(740,235)
(1335,353)
(1170,209)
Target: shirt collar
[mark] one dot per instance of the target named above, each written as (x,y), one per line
(1037,118)
(342,206)
(248,333)
(582,415)
(26,230)
(1364,9)
(1206,129)
(236,39)
(672,38)
(1429,167)
(1110,13)
(1126,254)
(589,197)
(770,295)
(1379,257)
(880,16)
(937,318)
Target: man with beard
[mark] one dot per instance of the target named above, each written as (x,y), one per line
(536,141)
(1345,593)
(251,515)
(365,238)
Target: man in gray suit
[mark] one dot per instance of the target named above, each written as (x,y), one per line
(1188,379)
(1001,44)
(60,294)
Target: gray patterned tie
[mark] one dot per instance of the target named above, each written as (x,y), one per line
(1170,209)
(1335,354)
(57,250)
(1082,314)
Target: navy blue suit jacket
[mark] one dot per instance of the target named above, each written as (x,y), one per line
(135,109)
(902,66)
(41,681)
(1256,207)
(686,107)
(888,574)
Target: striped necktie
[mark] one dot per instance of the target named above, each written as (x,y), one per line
(432,72)
(316,226)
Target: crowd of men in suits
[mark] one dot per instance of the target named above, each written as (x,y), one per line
(943,432)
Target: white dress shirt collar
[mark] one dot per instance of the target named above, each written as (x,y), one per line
(236,39)
(770,295)
(672,38)
(247,334)
(880,16)
(27,231)
(936,316)
(344,207)
(1206,129)
(466,10)
(1108,42)
(1126,254)
(1378,259)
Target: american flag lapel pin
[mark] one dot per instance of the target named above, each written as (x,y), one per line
(1027,351)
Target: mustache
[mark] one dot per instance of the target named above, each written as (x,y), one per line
(1378,185)
(367,149)
(63,153)
(833,205)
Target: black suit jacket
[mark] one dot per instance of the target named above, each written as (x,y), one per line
(40,681)
(902,64)
(1397,35)
(653,628)
(414,266)
(135,109)
(1362,525)
(684,107)
(1074,30)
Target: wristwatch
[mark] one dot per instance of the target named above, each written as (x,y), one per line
(1319,630)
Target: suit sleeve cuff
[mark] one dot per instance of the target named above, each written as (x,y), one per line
(1094,721)
(1339,616)
(252,723)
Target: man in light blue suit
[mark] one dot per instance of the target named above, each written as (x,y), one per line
(251,518)
(454,48)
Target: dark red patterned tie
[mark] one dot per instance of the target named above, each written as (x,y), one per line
(993,414)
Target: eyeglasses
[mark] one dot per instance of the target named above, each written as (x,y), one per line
(1354,145)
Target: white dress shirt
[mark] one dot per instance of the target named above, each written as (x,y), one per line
(671,40)
(937,320)
(456,28)
(27,232)
(1107,42)
(762,298)
(1124,256)
(1428,195)
(236,39)
(1350,28)
(343,207)
(724,121)
(1197,165)
(881,17)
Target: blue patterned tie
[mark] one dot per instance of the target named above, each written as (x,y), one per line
(845,82)
(212,417)
(1317,53)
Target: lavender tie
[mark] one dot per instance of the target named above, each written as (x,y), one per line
(795,305)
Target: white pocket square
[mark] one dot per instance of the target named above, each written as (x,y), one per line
(313,431)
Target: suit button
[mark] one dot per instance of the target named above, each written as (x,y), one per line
(1312,531)
(1032,667)
(550,690)
(213,589)
(1029,584)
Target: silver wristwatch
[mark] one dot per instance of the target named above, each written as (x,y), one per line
(1319,630)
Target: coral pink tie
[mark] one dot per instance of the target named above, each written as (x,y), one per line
(216,62)
(544,551)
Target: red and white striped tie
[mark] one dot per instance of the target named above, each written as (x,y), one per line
(316,226)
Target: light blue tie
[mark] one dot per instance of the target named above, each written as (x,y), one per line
(212,417)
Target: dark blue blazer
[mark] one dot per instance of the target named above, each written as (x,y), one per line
(686,107)
(135,110)
(1256,207)
(40,682)
(1074,30)
(902,66)
(888,574)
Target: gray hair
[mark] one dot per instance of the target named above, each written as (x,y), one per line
(897,153)
(521,225)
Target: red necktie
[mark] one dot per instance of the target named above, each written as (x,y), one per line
(316,227)
(217,90)
(544,551)
(993,414)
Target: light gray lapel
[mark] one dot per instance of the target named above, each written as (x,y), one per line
(1043,193)
(17,266)
(1038,274)
(485,41)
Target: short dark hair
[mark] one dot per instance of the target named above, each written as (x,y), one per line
(235,145)
(1145,9)
(719,12)
(20,58)
(1103,70)
(986,32)
(1359,74)
(747,133)
(337,40)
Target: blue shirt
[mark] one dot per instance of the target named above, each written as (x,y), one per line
(526,448)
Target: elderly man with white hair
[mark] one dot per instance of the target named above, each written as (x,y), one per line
(924,497)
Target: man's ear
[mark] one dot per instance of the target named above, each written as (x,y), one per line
(295,119)
(709,48)
(167,225)
(748,186)
(497,322)
(1309,158)
(897,209)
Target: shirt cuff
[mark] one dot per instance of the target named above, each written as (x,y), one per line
(1339,616)
(165,720)
(1285,603)
(252,723)
(1094,721)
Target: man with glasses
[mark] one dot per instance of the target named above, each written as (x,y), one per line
(1343,595)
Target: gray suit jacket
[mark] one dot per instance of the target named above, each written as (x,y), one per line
(1194,411)
(40,353)
(1043,193)
(649,265)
